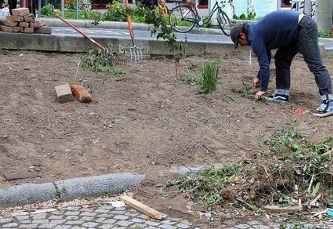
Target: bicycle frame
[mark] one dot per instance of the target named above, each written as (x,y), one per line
(218,6)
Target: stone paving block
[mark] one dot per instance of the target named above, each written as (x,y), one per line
(92,214)
(5,220)
(40,221)
(124,223)
(120,217)
(62,227)
(71,213)
(29,221)
(71,217)
(22,217)
(167,226)
(242,226)
(39,216)
(87,218)
(151,223)
(105,227)
(167,221)
(64,93)
(90,224)
(104,215)
(74,222)
(10,225)
(47,226)
(57,221)
(110,221)
(101,210)
(139,225)
(261,227)
(32,226)
(181,225)
(100,220)
(55,217)
(138,220)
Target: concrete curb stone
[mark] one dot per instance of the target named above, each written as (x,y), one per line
(68,189)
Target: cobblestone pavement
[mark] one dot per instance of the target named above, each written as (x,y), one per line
(109,214)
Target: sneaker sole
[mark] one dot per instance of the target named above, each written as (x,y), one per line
(274,100)
(324,115)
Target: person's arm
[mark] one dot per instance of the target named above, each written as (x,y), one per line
(264,57)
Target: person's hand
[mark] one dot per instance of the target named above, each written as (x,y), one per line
(260,94)
(255,83)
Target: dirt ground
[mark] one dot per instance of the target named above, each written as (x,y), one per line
(146,121)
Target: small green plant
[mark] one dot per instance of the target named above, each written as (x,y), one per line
(99,61)
(116,12)
(250,16)
(206,184)
(327,34)
(96,16)
(207,80)
(48,10)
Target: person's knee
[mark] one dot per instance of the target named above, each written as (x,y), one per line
(317,68)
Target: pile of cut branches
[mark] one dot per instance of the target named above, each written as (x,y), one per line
(293,172)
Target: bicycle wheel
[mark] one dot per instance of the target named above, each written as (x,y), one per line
(182,18)
(224,22)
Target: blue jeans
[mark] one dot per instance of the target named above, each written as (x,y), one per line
(307,45)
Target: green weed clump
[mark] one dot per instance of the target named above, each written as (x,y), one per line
(207,79)
(206,184)
(99,61)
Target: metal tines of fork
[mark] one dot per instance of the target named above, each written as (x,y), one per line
(136,54)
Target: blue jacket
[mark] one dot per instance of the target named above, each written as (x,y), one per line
(277,29)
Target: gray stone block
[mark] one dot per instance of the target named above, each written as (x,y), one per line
(64,93)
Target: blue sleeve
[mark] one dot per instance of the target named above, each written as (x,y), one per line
(264,59)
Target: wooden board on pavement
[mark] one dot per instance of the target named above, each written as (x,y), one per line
(142,207)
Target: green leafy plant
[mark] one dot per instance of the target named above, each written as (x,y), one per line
(100,61)
(116,12)
(96,16)
(48,10)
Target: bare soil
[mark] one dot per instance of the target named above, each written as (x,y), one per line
(147,121)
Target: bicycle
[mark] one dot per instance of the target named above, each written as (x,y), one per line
(184,17)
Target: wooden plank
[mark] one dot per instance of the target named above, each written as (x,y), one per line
(141,207)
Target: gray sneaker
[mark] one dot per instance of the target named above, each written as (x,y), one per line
(325,109)
(278,98)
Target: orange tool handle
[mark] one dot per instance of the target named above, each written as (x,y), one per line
(80,32)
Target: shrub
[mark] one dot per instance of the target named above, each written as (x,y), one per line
(48,10)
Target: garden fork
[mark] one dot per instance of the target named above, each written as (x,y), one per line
(136,54)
